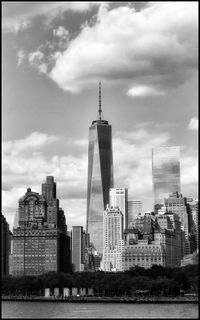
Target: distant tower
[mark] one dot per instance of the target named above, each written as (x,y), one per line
(134,209)
(49,188)
(112,227)
(5,246)
(100,176)
(77,248)
(166,173)
(118,197)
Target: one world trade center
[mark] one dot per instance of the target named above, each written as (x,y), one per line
(100,177)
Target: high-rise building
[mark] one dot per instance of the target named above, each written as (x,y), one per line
(118,197)
(166,173)
(5,246)
(146,224)
(134,209)
(171,221)
(49,188)
(100,177)
(193,207)
(176,203)
(112,227)
(112,239)
(78,248)
(40,241)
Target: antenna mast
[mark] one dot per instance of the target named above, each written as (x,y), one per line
(100,111)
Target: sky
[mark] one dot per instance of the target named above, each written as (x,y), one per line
(53,56)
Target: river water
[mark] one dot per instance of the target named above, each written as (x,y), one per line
(39,310)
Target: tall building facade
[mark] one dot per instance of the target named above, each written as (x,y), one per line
(49,188)
(112,227)
(118,197)
(176,203)
(166,173)
(134,209)
(78,248)
(40,244)
(112,239)
(193,207)
(5,246)
(100,177)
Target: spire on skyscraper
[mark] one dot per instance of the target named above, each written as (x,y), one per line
(100,111)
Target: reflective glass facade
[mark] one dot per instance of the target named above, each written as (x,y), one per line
(166,173)
(100,179)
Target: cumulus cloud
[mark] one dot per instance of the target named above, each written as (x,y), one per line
(36,140)
(153,48)
(21,56)
(61,32)
(193,124)
(17,16)
(144,91)
(36,59)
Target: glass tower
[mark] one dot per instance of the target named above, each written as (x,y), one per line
(100,177)
(134,209)
(166,173)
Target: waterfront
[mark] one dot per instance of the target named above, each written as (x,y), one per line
(39,310)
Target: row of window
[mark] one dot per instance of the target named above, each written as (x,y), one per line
(139,259)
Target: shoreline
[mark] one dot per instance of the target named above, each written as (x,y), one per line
(102,299)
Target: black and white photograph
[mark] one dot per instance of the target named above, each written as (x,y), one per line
(100,209)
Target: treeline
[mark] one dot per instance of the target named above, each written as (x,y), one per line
(158,280)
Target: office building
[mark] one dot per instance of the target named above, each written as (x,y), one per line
(78,248)
(49,188)
(112,227)
(171,221)
(112,239)
(143,254)
(5,246)
(40,241)
(176,203)
(134,209)
(165,173)
(118,197)
(193,207)
(100,177)
(146,224)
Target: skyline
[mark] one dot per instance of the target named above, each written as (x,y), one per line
(144,54)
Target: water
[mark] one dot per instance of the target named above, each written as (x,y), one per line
(39,310)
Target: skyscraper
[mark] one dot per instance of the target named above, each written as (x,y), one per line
(112,239)
(134,208)
(40,242)
(112,227)
(176,203)
(5,245)
(118,197)
(100,177)
(49,188)
(77,248)
(166,173)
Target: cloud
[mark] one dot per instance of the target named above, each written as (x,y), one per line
(193,124)
(34,141)
(17,15)
(144,91)
(151,50)
(61,32)
(36,59)
(21,56)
